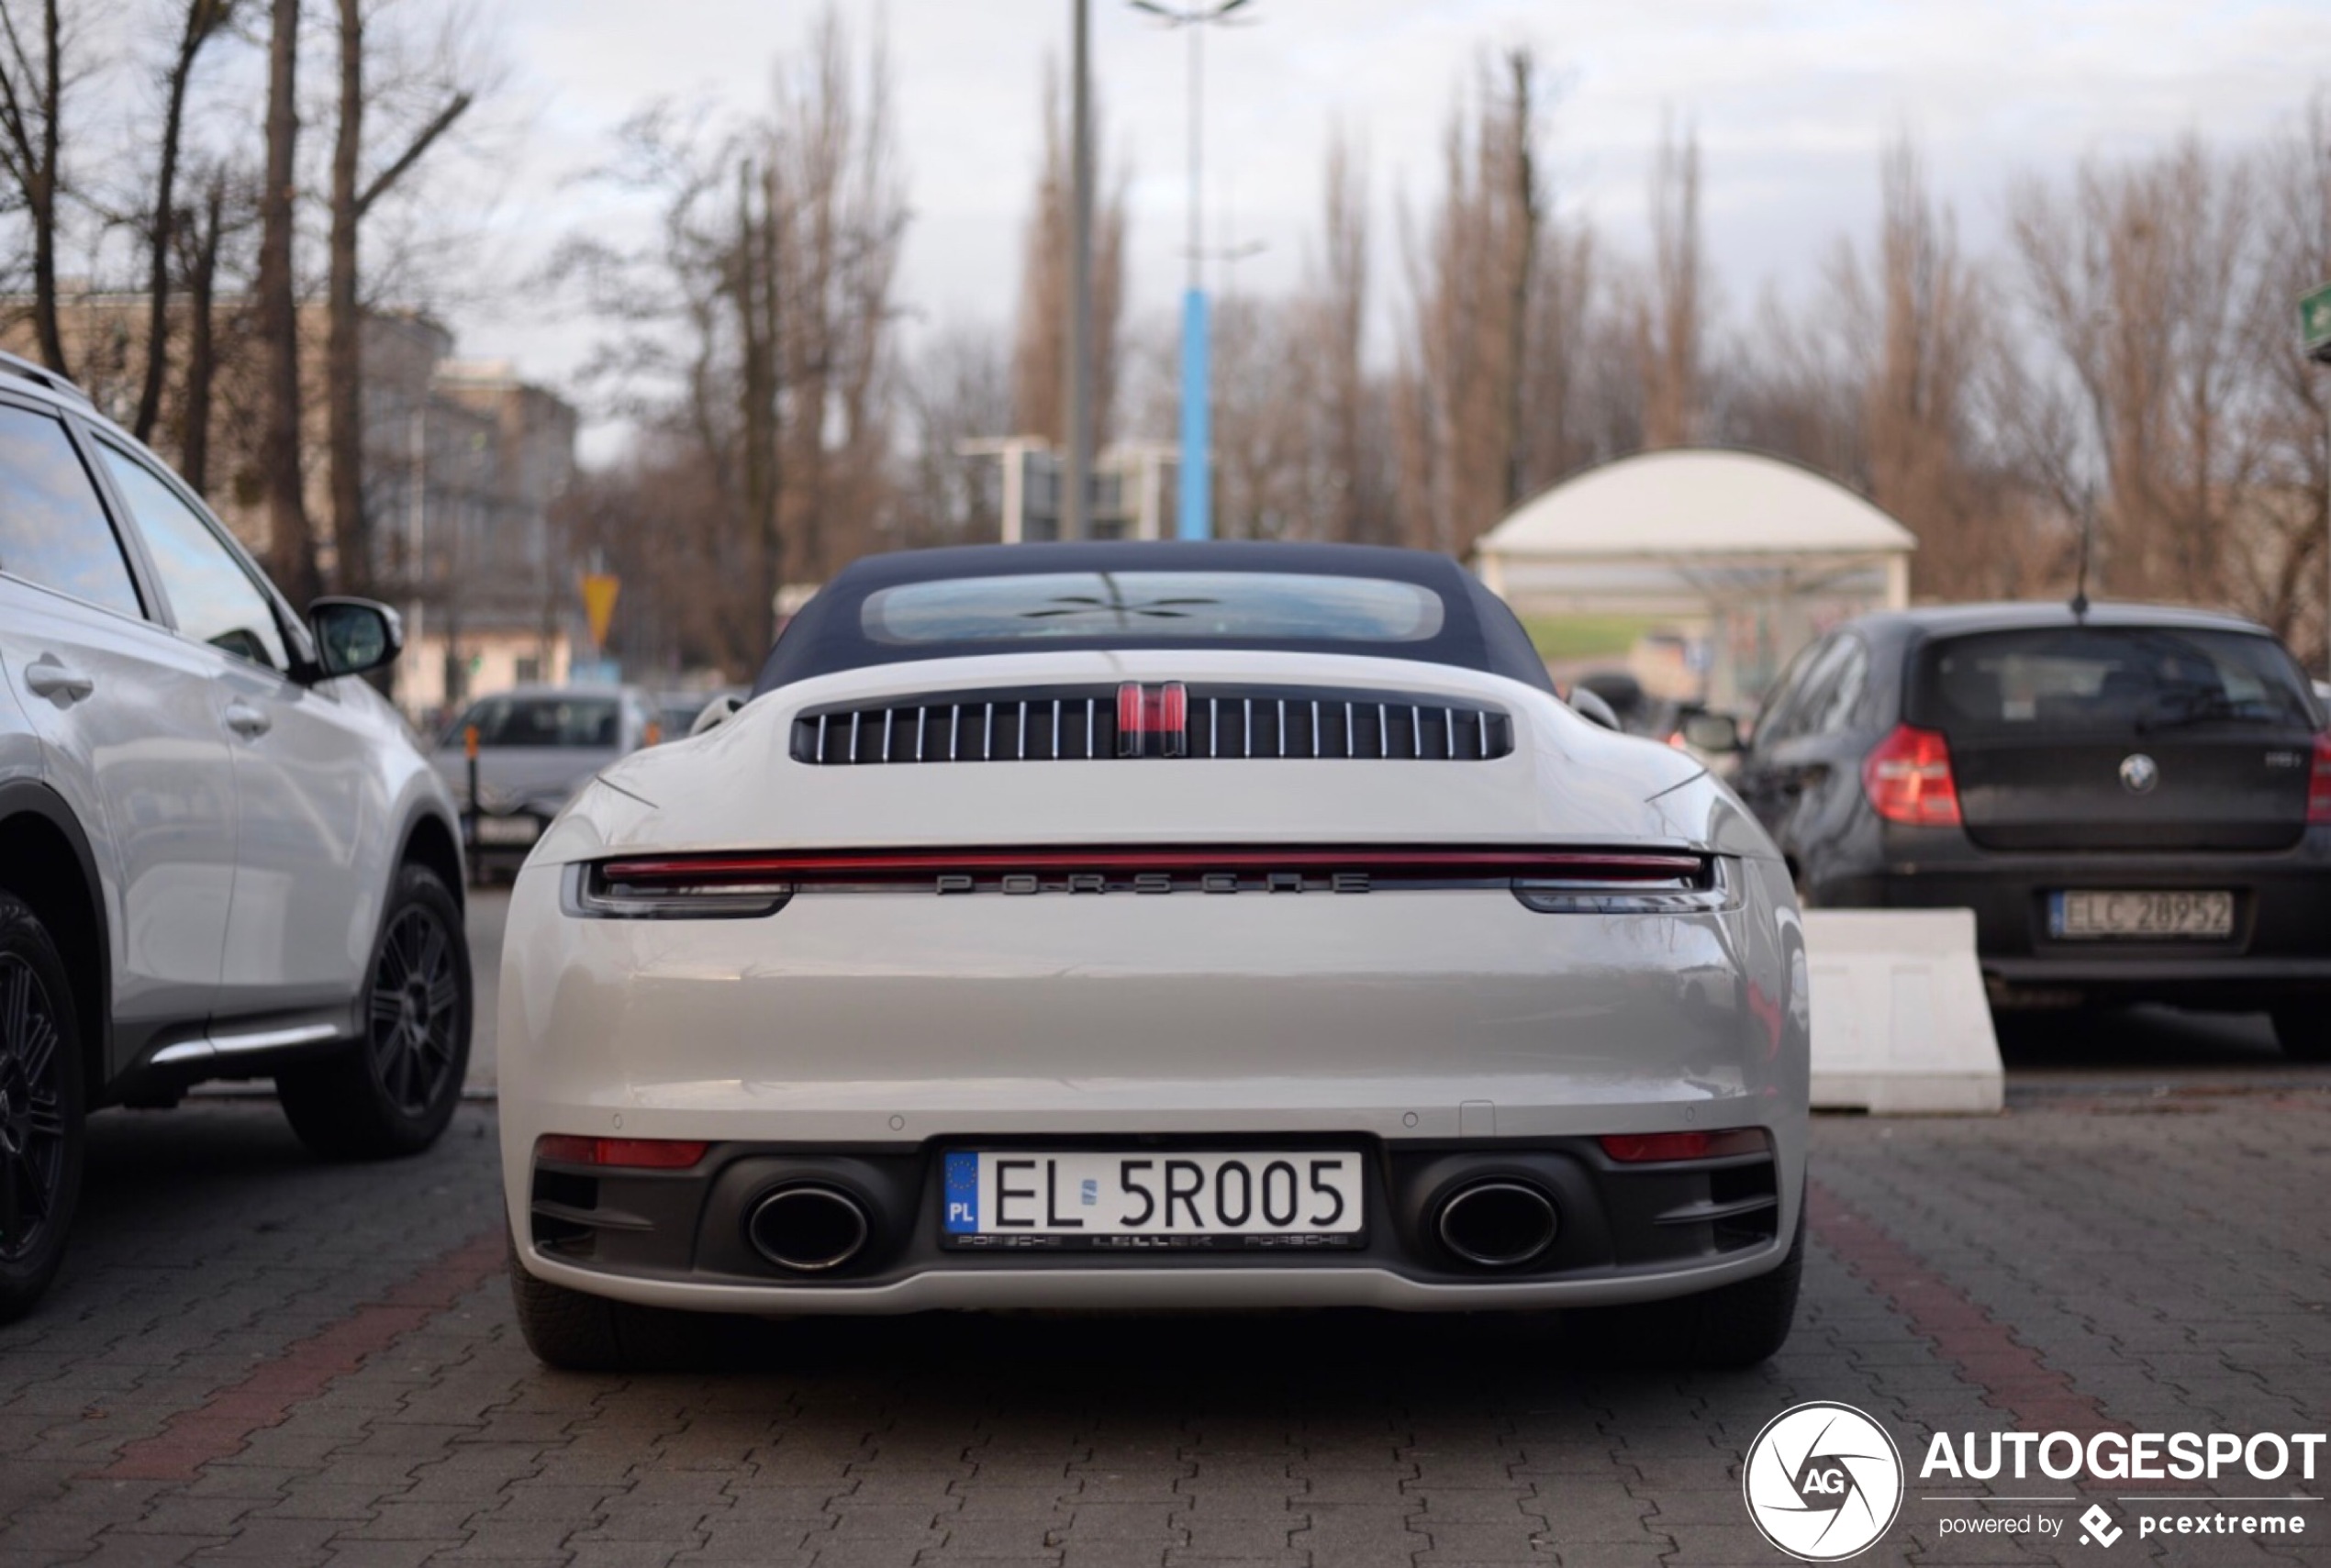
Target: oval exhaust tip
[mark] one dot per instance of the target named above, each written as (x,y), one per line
(1496,1224)
(809,1228)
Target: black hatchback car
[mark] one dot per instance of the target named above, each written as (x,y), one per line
(2134,801)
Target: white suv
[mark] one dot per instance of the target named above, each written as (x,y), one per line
(220,856)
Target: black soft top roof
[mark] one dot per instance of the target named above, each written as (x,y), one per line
(1477,632)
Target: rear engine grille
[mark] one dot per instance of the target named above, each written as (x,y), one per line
(1080,723)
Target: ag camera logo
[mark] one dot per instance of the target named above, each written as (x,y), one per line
(1824,1482)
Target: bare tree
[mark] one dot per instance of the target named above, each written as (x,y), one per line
(227,208)
(958,390)
(753,336)
(2138,275)
(202,21)
(2278,566)
(1671,319)
(1470,280)
(353,197)
(1040,358)
(290,537)
(1353,503)
(32,91)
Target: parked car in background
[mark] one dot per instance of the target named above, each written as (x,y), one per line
(536,746)
(2134,801)
(221,855)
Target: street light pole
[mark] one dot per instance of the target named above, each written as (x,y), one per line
(1195,517)
(1078,481)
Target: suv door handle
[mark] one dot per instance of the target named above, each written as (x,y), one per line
(47,676)
(247,721)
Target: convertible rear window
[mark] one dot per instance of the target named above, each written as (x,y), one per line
(1197,607)
(540,721)
(2113,679)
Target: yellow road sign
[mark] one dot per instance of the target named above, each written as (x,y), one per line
(599,589)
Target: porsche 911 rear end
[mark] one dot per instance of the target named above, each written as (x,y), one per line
(1125,976)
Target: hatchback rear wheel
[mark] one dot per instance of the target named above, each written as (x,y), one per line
(395,1091)
(40,1107)
(2304,1030)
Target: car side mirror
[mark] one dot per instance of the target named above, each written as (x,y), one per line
(717,712)
(1590,705)
(354,635)
(1714,732)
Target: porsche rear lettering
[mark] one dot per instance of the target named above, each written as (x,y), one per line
(1023,884)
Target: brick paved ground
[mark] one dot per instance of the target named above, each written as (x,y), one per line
(255,1359)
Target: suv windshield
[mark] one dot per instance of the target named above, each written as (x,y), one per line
(540,721)
(1197,606)
(2119,679)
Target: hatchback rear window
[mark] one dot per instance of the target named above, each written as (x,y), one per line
(540,721)
(1198,607)
(2048,680)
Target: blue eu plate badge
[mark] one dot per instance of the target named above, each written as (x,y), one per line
(963,1194)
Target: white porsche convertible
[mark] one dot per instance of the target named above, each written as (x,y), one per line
(1154,926)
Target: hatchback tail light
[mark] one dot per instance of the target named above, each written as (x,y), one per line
(2319,783)
(1908,778)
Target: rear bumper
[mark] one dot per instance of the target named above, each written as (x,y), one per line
(1415,1026)
(2280,945)
(1624,1233)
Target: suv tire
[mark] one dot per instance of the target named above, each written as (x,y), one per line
(392,1094)
(40,1107)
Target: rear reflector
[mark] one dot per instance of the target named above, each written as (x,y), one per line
(632,1154)
(1653,1148)
(1908,779)
(2319,783)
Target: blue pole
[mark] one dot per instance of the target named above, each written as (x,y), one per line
(1197,520)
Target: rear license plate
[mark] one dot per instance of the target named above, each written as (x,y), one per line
(1156,1200)
(509,830)
(2080,916)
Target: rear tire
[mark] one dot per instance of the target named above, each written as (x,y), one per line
(393,1093)
(40,1108)
(2304,1030)
(1727,1328)
(577,1332)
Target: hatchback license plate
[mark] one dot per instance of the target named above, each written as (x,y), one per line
(2080,916)
(1052,1198)
(509,830)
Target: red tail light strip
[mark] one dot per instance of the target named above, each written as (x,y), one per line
(861,865)
(2319,783)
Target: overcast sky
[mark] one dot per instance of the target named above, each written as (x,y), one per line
(1792,103)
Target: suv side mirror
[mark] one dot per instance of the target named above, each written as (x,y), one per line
(1715,732)
(354,635)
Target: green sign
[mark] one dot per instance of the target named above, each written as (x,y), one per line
(2315,323)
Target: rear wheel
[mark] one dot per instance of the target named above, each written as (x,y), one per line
(1731,1326)
(2304,1030)
(394,1093)
(40,1108)
(576,1332)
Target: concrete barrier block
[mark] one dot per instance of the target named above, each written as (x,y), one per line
(1901,1023)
